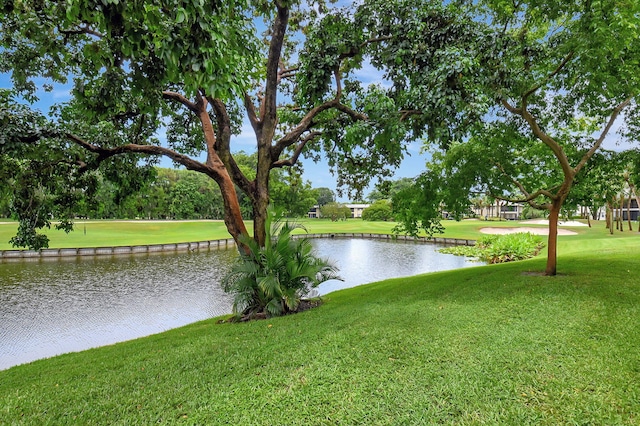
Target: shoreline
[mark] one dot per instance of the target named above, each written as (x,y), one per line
(200,245)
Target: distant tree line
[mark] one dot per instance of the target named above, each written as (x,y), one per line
(183,194)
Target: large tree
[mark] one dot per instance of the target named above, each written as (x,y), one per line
(195,68)
(134,65)
(550,80)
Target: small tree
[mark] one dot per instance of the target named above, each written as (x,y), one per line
(335,211)
(385,190)
(539,84)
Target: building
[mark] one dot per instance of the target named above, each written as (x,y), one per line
(504,210)
(634,212)
(356,210)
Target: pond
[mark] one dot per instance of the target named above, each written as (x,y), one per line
(54,306)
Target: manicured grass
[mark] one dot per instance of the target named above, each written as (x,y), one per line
(488,345)
(125,233)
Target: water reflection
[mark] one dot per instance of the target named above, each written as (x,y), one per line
(52,307)
(364,261)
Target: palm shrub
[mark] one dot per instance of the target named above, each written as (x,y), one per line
(272,280)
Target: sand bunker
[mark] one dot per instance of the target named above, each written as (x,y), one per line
(560,222)
(535,231)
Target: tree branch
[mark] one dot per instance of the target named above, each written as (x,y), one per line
(307,121)
(512,179)
(355,115)
(294,158)
(223,148)
(614,115)
(251,113)
(105,153)
(527,197)
(356,50)
(555,147)
(288,73)
(174,96)
(269,112)
(532,203)
(547,78)
(82,30)
(510,108)
(408,113)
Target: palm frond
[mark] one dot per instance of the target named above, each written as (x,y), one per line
(274,307)
(270,286)
(273,278)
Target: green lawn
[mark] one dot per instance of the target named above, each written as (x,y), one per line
(115,233)
(489,345)
(124,233)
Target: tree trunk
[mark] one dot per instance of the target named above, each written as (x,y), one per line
(588,217)
(232,213)
(629,213)
(619,224)
(635,195)
(260,191)
(260,205)
(552,241)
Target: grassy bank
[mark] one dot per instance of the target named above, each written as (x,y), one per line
(486,345)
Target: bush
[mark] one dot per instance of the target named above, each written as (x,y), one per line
(271,280)
(378,211)
(501,248)
(510,247)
